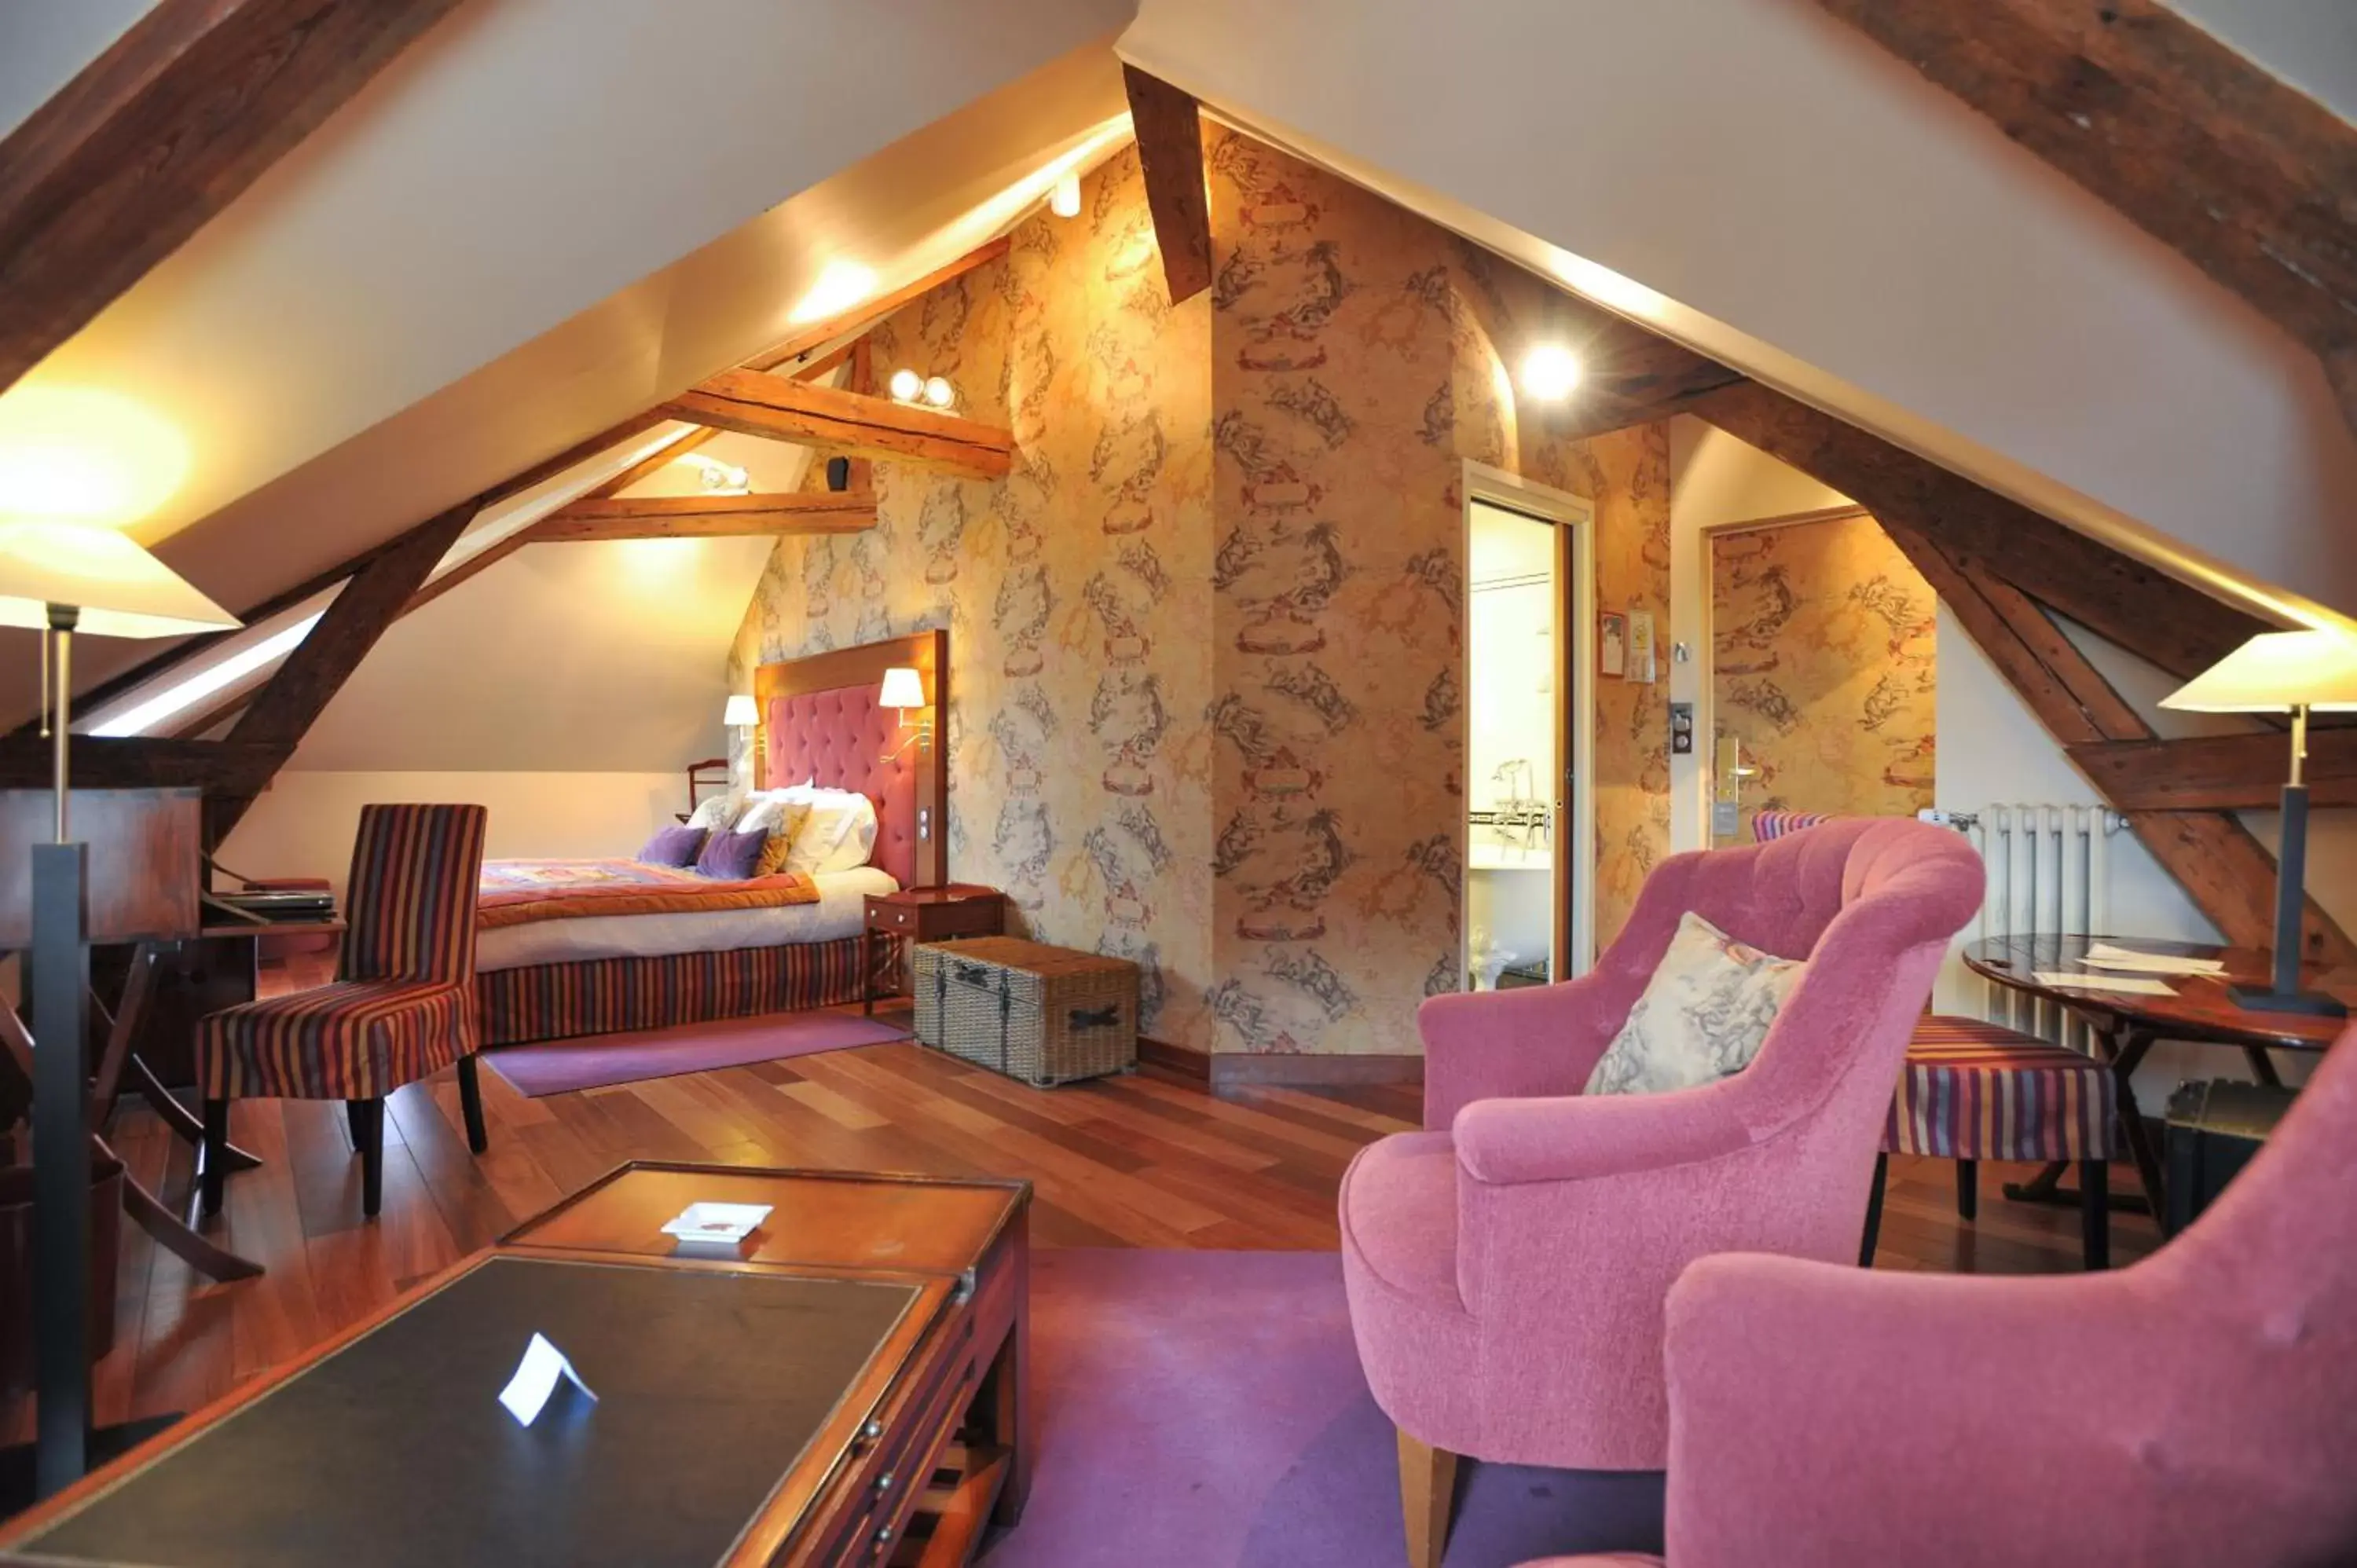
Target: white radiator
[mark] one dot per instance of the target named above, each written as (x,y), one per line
(2049,875)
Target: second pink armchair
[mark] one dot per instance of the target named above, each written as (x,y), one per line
(1507,1266)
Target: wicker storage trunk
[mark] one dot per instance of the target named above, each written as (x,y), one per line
(1041,1014)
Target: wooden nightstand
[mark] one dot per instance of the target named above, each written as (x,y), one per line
(927,915)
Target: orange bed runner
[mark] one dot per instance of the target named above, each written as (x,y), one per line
(516,893)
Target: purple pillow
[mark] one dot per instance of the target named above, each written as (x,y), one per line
(673,846)
(731,857)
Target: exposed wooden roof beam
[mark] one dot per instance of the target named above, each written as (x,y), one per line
(1171,150)
(756,403)
(284,710)
(708,516)
(2242,175)
(798,354)
(2220,772)
(2142,608)
(184,112)
(145,762)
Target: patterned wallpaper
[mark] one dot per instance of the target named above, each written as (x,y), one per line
(1823,665)
(1205,639)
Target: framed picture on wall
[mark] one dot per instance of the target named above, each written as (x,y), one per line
(1612,644)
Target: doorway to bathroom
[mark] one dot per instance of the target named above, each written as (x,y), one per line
(1528,901)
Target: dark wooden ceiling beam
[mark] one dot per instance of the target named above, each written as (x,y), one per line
(180,115)
(2226,872)
(827,419)
(708,516)
(2206,151)
(2154,616)
(284,710)
(145,762)
(2218,772)
(1171,150)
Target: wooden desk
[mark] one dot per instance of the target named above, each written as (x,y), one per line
(2126,1026)
(383,1449)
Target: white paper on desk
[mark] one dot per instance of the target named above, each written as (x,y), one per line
(535,1379)
(2135,984)
(2104,955)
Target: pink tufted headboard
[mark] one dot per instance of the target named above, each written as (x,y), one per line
(820,721)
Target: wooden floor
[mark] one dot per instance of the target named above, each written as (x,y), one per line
(1148,1161)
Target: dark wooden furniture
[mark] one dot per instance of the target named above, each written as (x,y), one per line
(709,776)
(846,1385)
(2213,1130)
(2126,1027)
(925,914)
(144,890)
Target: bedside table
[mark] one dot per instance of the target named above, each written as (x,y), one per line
(926,915)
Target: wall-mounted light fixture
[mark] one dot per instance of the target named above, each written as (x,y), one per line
(717,478)
(904,688)
(741,713)
(1064,199)
(931,391)
(1550,371)
(939,393)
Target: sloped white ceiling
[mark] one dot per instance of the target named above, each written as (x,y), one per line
(563,658)
(543,216)
(1793,202)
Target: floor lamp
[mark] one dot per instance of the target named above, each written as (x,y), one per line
(58,578)
(2294,673)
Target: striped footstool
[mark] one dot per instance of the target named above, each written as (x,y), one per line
(1974,1091)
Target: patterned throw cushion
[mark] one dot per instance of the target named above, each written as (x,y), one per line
(730,857)
(716,811)
(1702,1017)
(673,846)
(791,815)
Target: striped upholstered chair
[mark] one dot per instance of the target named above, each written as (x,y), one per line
(402,1006)
(1974,1092)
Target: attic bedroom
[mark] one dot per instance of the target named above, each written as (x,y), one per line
(1069,801)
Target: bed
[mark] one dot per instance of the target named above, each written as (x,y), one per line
(683,954)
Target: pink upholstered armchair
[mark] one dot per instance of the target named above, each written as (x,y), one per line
(1507,1266)
(2196,1409)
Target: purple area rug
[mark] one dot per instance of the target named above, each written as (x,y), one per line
(1205,1410)
(597,1061)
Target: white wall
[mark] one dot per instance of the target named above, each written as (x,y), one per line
(1771,187)
(304,824)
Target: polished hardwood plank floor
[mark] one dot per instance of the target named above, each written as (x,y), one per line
(1148,1160)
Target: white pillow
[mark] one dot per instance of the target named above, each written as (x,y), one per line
(1703,1016)
(839,836)
(715,812)
(764,811)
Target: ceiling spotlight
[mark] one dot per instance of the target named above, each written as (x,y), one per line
(1064,200)
(907,385)
(1550,372)
(715,476)
(938,393)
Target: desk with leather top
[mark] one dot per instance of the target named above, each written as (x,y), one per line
(845,1388)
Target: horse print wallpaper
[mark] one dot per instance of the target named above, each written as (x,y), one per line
(1204,638)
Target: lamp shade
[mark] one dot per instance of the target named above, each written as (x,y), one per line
(120,589)
(2276,670)
(741,712)
(903,688)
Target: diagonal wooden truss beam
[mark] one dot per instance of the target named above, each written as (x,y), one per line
(184,112)
(2227,872)
(776,408)
(2220,772)
(708,516)
(1171,152)
(2142,608)
(2241,174)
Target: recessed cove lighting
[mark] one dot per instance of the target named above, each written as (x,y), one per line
(907,385)
(84,455)
(1064,200)
(1550,371)
(841,284)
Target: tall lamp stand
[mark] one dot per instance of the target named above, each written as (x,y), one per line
(2284,994)
(60,980)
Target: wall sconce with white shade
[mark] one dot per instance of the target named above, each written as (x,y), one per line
(58,578)
(2276,672)
(742,713)
(904,688)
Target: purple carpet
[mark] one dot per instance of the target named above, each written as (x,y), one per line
(1205,1410)
(595,1061)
